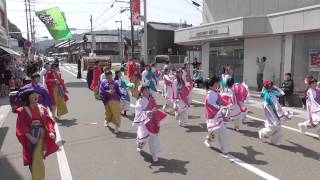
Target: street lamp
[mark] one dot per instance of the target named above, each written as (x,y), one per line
(121,39)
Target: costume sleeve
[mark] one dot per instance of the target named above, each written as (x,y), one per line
(102,90)
(21,128)
(47,98)
(49,122)
(213,100)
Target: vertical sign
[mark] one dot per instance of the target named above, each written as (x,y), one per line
(136,13)
(314,59)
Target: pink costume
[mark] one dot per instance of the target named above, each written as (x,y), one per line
(238,111)
(181,104)
(313,109)
(148,128)
(216,120)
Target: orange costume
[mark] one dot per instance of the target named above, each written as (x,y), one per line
(96,81)
(57,91)
(134,77)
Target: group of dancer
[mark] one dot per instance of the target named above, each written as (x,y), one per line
(39,107)
(224,103)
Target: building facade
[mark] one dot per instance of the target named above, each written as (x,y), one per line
(3,24)
(236,32)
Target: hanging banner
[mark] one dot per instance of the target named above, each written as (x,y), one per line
(56,23)
(136,13)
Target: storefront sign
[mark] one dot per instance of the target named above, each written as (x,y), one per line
(209,32)
(314,59)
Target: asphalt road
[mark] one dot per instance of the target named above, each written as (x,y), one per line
(93,152)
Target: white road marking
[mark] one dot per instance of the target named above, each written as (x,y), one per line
(4,111)
(64,168)
(251,168)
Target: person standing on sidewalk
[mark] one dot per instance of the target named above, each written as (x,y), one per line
(96,80)
(287,87)
(261,63)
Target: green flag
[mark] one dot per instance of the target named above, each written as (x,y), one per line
(56,23)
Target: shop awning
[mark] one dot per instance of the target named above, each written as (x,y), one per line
(9,51)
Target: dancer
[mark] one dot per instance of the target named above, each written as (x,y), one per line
(36,133)
(96,80)
(217,116)
(227,73)
(238,94)
(110,95)
(44,99)
(147,120)
(134,76)
(150,79)
(313,107)
(58,91)
(181,105)
(274,113)
(124,87)
(168,91)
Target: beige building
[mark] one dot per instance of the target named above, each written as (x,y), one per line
(236,32)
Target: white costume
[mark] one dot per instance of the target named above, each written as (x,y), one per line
(43,73)
(168,92)
(216,121)
(148,128)
(275,116)
(313,109)
(181,102)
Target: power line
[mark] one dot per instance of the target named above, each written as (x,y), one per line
(109,18)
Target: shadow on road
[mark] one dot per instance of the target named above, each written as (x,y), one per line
(3,133)
(193,117)
(255,124)
(77,85)
(7,171)
(250,156)
(126,135)
(297,148)
(67,122)
(197,105)
(4,101)
(166,165)
(199,128)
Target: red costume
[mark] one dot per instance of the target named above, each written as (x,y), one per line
(51,83)
(133,70)
(23,127)
(96,78)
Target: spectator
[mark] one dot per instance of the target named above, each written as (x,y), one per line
(196,64)
(142,66)
(287,87)
(197,78)
(261,65)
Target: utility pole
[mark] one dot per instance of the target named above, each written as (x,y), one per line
(145,33)
(93,36)
(132,28)
(121,39)
(31,29)
(26,4)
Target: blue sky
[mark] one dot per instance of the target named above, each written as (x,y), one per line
(78,13)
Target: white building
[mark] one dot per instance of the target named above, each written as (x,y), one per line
(236,32)
(3,24)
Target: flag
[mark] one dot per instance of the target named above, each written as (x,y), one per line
(55,22)
(136,13)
